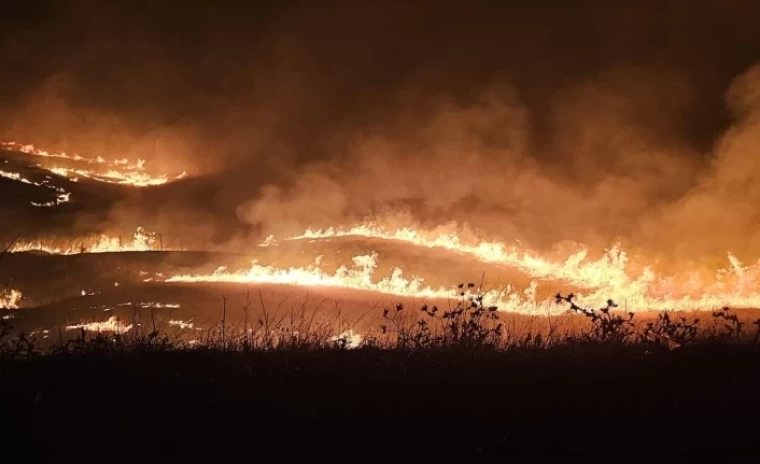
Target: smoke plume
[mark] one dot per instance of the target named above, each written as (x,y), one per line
(545,123)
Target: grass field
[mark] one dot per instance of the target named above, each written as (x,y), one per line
(466,390)
(220,371)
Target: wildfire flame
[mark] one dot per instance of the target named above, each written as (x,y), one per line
(15,176)
(118,171)
(611,276)
(10,299)
(141,241)
(349,339)
(135,179)
(574,270)
(153,304)
(62,195)
(359,277)
(110,325)
(181,324)
(637,287)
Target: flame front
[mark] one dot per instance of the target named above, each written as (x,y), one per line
(141,241)
(359,277)
(118,171)
(611,276)
(574,270)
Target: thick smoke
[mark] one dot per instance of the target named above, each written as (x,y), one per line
(544,123)
(719,212)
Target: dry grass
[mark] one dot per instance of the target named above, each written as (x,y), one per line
(468,325)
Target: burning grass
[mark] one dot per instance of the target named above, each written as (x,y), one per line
(117,171)
(10,299)
(632,282)
(141,240)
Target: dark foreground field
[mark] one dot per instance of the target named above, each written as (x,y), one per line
(363,404)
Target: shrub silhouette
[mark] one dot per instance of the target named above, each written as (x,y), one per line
(606,325)
(671,333)
(470,323)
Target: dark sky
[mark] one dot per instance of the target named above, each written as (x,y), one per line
(614,105)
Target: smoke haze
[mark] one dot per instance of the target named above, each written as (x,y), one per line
(542,121)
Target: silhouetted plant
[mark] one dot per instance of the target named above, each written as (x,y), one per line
(606,326)
(469,323)
(727,324)
(5,330)
(671,333)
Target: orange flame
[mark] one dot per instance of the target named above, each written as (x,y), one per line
(141,241)
(61,197)
(119,171)
(359,277)
(110,325)
(610,276)
(10,299)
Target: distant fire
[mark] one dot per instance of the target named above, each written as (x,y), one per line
(153,304)
(117,171)
(141,241)
(181,324)
(10,299)
(111,325)
(62,196)
(133,178)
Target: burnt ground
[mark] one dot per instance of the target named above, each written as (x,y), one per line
(369,405)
